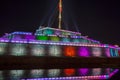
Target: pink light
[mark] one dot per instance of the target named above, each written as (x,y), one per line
(107,51)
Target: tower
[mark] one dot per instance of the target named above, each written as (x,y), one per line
(60,14)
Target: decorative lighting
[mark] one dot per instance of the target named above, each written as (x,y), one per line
(71,78)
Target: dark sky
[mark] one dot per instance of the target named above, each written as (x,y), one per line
(99,19)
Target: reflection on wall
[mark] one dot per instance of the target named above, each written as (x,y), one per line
(53,72)
(1,75)
(96,71)
(37,73)
(97,52)
(69,72)
(16,74)
(107,51)
(83,71)
(2,48)
(18,49)
(38,50)
(55,50)
(83,51)
(69,51)
(107,71)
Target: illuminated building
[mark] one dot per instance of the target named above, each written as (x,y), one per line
(54,42)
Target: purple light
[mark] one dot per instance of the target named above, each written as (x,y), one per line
(83,51)
(29,37)
(115,71)
(4,40)
(83,71)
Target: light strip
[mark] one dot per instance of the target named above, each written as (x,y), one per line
(115,71)
(59,43)
(72,78)
(61,30)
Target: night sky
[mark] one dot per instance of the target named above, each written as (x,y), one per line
(98,19)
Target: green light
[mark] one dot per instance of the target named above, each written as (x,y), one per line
(42,37)
(54,38)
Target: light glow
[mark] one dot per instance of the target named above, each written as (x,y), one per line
(76,40)
(54,38)
(38,50)
(83,52)
(96,52)
(48,32)
(69,72)
(55,50)
(18,49)
(96,71)
(53,72)
(65,39)
(59,74)
(83,71)
(69,51)
(1,75)
(37,73)
(16,74)
(40,37)
(29,37)
(107,51)
(2,48)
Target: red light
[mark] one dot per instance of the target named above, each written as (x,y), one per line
(69,72)
(69,51)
